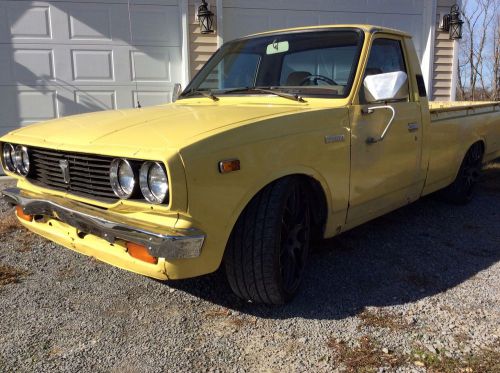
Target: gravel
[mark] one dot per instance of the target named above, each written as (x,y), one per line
(416,290)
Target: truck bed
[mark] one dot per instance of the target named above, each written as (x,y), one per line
(468,107)
(454,126)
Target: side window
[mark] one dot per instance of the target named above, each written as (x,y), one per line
(386,56)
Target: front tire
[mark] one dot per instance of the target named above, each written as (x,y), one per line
(269,246)
(461,191)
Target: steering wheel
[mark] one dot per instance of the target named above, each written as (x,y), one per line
(315,79)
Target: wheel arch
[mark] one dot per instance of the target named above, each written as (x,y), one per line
(477,141)
(319,191)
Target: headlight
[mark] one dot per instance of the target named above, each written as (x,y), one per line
(154,182)
(22,160)
(9,156)
(122,177)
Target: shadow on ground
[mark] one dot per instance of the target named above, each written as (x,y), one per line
(415,252)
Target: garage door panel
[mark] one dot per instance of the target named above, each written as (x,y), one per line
(4,29)
(83,100)
(9,113)
(101,23)
(92,65)
(33,65)
(27,104)
(63,65)
(29,21)
(373,6)
(37,105)
(155,25)
(90,22)
(5,64)
(152,97)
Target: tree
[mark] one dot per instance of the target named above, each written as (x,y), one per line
(479,58)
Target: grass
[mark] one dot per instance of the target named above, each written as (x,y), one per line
(366,357)
(381,319)
(10,275)
(485,361)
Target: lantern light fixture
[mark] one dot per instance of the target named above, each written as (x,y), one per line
(205,18)
(452,23)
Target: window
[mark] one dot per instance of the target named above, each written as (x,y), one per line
(236,70)
(309,63)
(386,56)
(332,63)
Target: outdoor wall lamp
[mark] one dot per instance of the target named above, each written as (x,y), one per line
(206,18)
(452,23)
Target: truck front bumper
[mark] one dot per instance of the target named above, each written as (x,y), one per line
(162,242)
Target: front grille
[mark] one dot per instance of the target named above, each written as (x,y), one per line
(88,174)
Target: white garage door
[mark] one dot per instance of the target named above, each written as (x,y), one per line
(65,57)
(243,17)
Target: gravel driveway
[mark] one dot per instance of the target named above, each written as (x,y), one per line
(416,290)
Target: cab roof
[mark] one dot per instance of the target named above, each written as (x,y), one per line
(365,28)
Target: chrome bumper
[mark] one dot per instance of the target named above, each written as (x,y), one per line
(161,242)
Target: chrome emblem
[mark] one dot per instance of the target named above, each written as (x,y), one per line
(64,165)
(334,138)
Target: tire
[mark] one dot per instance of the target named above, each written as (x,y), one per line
(269,246)
(462,190)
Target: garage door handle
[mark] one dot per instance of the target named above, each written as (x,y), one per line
(413,127)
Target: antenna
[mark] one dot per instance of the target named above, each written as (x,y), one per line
(130,31)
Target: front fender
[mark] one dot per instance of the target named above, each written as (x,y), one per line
(267,151)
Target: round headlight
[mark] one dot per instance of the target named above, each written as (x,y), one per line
(22,160)
(122,178)
(9,157)
(154,182)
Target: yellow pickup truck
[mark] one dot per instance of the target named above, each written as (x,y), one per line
(282,138)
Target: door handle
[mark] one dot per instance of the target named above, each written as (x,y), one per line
(413,127)
(370,110)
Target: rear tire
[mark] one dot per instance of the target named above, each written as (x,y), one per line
(461,191)
(269,246)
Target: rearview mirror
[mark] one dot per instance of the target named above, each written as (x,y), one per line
(176,92)
(386,87)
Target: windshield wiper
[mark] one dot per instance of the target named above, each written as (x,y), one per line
(208,94)
(271,91)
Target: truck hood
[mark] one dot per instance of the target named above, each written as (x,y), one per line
(159,127)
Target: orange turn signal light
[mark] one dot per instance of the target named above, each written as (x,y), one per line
(229,165)
(140,252)
(20,213)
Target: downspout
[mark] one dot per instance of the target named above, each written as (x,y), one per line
(185,68)
(429,28)
(454,65)
(220,22)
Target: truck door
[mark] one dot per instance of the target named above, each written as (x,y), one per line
(384,169)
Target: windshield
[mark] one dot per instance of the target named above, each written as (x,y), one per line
(310,64)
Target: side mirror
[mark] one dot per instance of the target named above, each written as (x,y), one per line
(386,87)
(176,92)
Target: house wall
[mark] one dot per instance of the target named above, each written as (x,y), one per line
(443,57)
(201,47)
